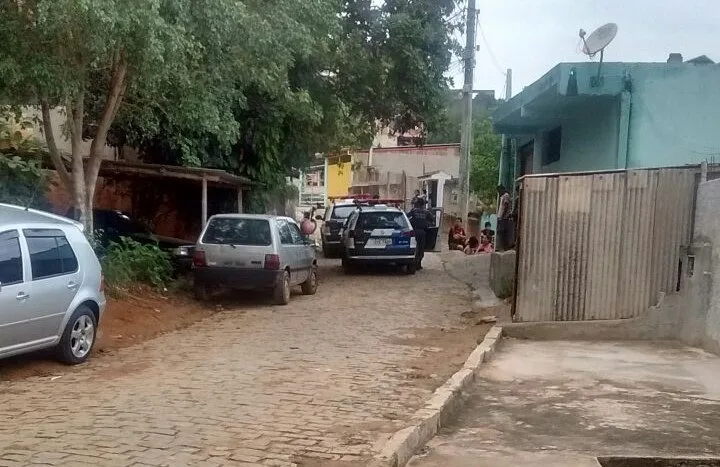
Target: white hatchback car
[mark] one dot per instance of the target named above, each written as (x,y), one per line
(51,285)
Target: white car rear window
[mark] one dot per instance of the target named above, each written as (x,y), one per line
(238,231)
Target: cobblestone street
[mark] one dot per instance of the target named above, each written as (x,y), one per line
(323,379)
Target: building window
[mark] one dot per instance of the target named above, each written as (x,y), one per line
(552,143)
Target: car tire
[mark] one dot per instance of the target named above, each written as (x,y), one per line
(326,252)
(309,287)
(78,338)
(281,293)
(201,291)
(410,269)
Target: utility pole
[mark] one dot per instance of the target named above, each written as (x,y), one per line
(505,155)
(466,129)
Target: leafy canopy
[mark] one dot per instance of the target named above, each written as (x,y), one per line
(252,86)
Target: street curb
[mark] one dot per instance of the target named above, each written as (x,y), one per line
(428,420)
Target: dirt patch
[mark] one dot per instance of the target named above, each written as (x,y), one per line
(135,316)
(444,350)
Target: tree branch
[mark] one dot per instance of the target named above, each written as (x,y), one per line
(52,146)
(116,92)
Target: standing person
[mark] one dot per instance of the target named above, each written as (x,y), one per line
(414,199)
(420,219)
(504,212)
(424,197)
(308,224)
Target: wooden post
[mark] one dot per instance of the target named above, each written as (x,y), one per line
(240,200)
(204,201)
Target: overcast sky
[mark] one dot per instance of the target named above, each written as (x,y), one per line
(532,36)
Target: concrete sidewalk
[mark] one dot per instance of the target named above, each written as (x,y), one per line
(562,404)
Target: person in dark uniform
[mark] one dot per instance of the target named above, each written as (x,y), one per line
(420,219)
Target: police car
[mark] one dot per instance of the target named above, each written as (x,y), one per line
(335,217)
(378,234)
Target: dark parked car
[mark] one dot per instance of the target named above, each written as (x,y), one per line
(335,217)
(116,224)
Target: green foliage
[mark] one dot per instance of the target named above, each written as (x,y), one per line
(297,78)
(263,200)
(485,159)
(487,143)
(22,180)
(255,87)
(128,262)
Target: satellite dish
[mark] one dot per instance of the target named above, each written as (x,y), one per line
(599,39)
(596,42)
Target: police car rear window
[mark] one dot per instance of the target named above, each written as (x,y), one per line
(382,220)
(342,212)
(234,231)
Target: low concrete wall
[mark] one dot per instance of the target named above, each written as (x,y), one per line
(691,316)
(502,273)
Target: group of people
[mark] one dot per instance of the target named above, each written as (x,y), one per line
(458,239)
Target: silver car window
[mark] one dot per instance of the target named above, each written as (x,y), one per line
(11,267)
(297,237)
(50,256)
(285,235)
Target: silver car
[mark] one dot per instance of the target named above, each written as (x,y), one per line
(51,286)
(245,251)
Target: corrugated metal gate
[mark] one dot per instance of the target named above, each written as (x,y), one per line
(600,246)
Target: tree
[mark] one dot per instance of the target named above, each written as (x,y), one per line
(91,56)
(485,155)
(251,86)
(21,177)
(338,69)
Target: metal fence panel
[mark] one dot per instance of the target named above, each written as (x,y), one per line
(603,245)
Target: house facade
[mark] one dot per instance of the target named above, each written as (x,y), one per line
(393,172)
(586,117)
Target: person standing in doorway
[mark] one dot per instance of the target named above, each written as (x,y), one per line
(420,219)
(504,227)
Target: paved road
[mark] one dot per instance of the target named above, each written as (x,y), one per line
(316,381)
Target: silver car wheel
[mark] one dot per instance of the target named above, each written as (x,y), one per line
(82,336)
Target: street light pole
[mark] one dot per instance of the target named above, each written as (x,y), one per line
(466,130)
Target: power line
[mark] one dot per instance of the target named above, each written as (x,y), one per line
(496,63)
